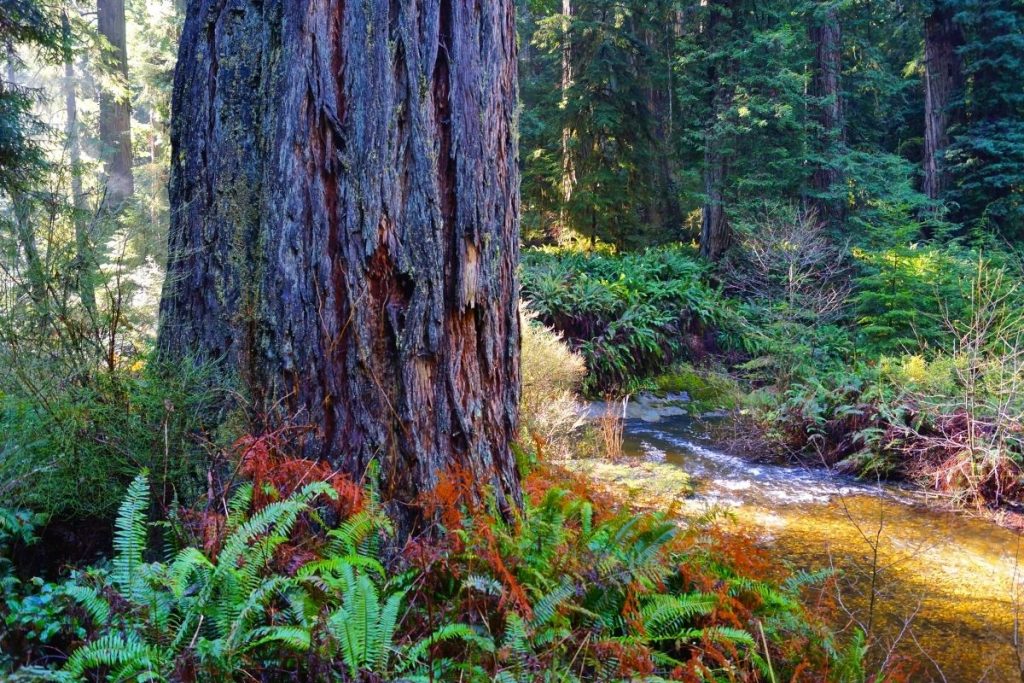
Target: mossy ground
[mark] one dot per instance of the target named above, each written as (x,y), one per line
(642,485)
(708,389)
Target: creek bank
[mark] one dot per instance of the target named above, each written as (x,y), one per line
(653,408)
(895,556)
(639,484)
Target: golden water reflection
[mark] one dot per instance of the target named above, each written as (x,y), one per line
(943,583)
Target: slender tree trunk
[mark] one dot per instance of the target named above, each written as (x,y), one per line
(345,226)
(660,39)
(716,232)
(115,106)
(84,256)
(568,167)
(943,83)
(826,91)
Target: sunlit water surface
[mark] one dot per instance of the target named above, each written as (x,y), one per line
(943,583)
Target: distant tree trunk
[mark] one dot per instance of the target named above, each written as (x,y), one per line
(715,233)
(826,35)
(115,107)
(568,167)
(345,228)
(943,83)
(84,257)
(660,39)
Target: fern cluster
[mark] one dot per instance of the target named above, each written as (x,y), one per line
(564,591)
(627,315)
(571,592)
(201,615)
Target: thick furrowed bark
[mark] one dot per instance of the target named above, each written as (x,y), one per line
(345,229)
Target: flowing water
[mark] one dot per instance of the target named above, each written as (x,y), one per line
(930,585)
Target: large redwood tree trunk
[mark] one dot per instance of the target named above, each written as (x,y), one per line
(943,83)
(345,227)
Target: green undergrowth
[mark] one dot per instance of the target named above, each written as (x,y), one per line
(628,315)
(890,357)
(270,589)
(92,434)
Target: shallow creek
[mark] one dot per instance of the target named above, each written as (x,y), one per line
(943,584)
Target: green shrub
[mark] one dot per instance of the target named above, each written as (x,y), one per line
(784,345)
(629,315)
(906,294)
(70,451)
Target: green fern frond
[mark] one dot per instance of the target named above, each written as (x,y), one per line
(126,652)
(350,534)
(516,636)
(255,606)
(294,638)
(666,615)
(238,506)
(363,627)
(546,608)
(130,537)
(332,565)
(727,634)
(413,654)
(187,563)
(89,598)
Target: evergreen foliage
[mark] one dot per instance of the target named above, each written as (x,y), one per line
(30,25)
(988,151)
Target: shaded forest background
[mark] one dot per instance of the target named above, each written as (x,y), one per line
(895,120)
(828,193)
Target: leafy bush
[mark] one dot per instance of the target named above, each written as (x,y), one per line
(93,435)
(826,418)
(951,420)
(905,294)
(628,315)
(967,431)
